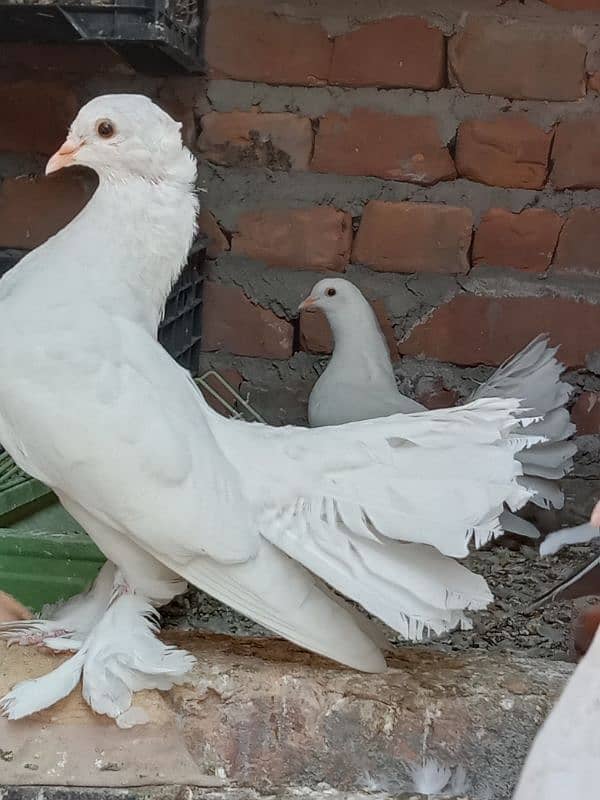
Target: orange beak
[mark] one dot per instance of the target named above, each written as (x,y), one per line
(310,304)
(64,157)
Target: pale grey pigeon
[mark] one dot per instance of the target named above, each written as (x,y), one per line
(264,519)
(359,383)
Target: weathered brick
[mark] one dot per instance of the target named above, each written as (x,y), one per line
(311,238)
(233,378)
(518,59)
(251,45)
(248,138)
(383,145)
(586,413)
(507,151)
(316,337)
(414,237)
(232,322)
(472,329)
(524,241)
(579,242)
(33,209)
(576,154)
(432,393)
(575,5)
(35,115)
(217,241)
(401,51)
(298,720)
(583,630)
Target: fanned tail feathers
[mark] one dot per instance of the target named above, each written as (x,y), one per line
(533,375)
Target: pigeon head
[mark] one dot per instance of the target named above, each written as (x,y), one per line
(332,296)
(125,136)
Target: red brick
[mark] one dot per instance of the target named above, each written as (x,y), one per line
(507,151)
(35,115)
(432,393)
(316,337)
(248,138)
(382,145)
(586,413)
(517,59)
(579,242)
(401,51)
(233,378)
(583,629)
(217,241)
(576,154)
(414,237)
(232,322)
(251,45)
(471,329)
(575,5)
(78,58)
(33,209)
(524,241)
(311,238)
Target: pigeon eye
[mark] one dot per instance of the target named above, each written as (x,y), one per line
(331,293)
(105,129)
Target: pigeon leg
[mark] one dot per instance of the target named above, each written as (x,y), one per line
(66,625)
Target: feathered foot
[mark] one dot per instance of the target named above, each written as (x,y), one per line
(120,656)
(66,625)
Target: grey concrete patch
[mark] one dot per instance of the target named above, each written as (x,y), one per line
(228,192)
(449,106)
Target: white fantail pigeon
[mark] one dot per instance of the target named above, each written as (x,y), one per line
(359,383)
(264,519)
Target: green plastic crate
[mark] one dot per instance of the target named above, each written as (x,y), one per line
(44,555)
(39,567)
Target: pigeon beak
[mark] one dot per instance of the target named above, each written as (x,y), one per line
(310,304)
(64,157)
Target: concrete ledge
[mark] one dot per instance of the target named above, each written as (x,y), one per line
(188,793)
(262,714)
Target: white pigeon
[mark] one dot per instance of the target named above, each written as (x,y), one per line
(563,761)
(359,383)
(258,517)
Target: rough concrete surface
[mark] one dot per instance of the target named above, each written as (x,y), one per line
(192,793)
(265,715)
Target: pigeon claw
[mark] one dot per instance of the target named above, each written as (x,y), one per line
(28,637)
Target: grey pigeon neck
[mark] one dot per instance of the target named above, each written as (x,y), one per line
(360,348)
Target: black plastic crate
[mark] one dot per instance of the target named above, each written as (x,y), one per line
(179,332)
(154,36)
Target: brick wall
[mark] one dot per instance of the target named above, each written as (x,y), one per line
(442,154)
